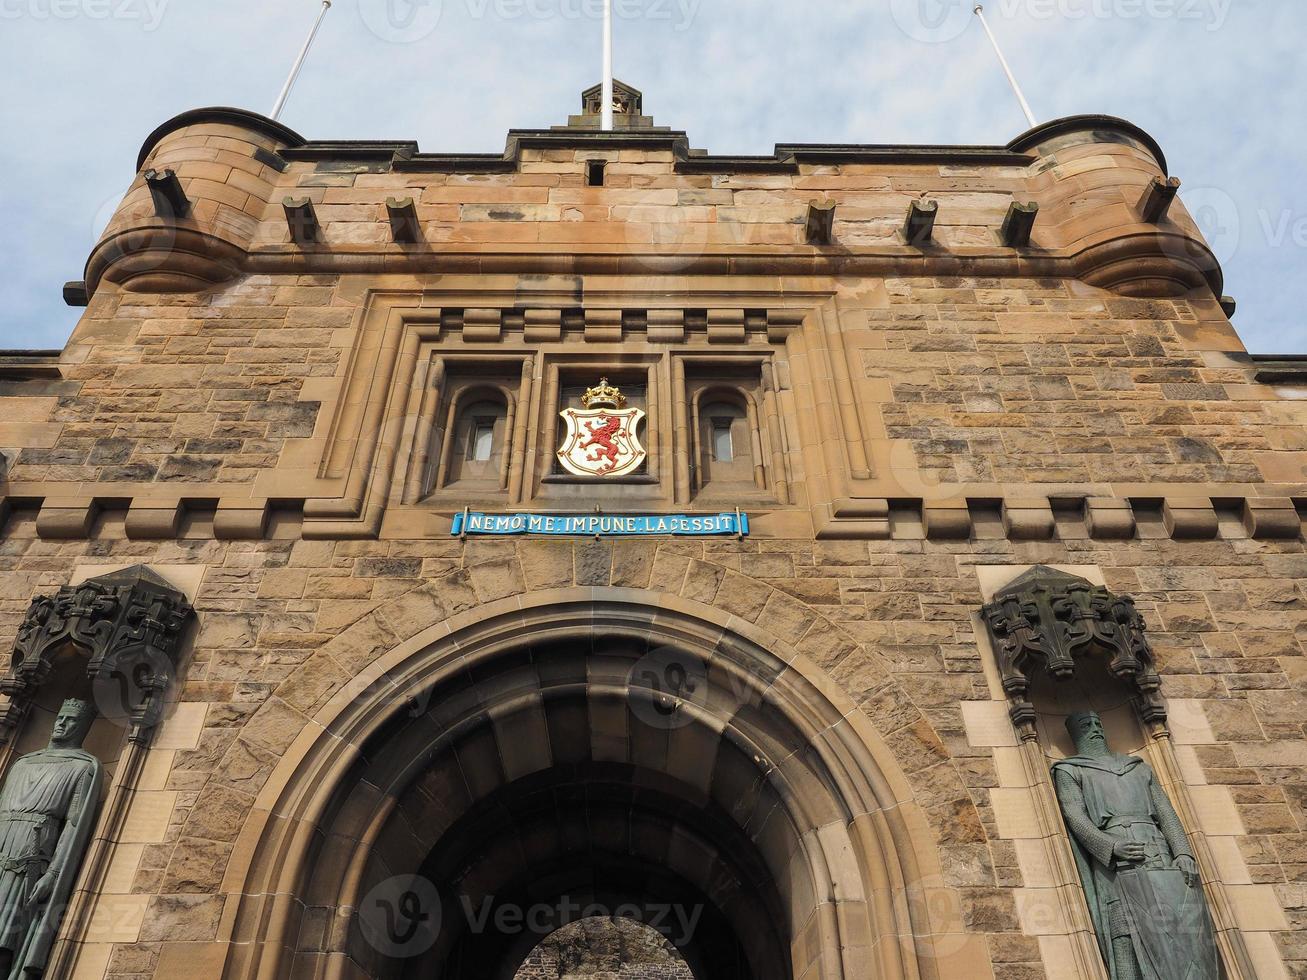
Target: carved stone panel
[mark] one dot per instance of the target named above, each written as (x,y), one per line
(126,624)
(1050,621)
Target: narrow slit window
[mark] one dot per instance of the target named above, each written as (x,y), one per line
(482,443)
(723,443)
(595,173)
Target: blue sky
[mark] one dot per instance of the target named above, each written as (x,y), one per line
(1220,83)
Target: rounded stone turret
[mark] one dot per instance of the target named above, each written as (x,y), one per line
(1110,203)
(203,181)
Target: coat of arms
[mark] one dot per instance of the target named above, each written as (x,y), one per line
(602,438)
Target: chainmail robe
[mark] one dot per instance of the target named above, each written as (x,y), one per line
(1105,800)
(43,803)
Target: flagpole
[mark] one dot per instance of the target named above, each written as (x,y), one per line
(299,62)
(1007,69)
(606,111)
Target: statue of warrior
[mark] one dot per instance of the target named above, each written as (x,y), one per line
(47,811)
(1136,865)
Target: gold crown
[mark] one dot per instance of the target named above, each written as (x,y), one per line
(603,395)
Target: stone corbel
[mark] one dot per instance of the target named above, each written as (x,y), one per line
(1047,621)
(127,624)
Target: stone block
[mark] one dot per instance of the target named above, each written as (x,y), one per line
(947,520)
(62,518)
(1029,519)
(1190,518)
(1110,518)
(543,326)
(153,519)
(1272,519)
(240,519)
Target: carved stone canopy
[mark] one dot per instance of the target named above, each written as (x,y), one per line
(126,625)
(1049,621)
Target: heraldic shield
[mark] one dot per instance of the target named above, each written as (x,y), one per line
(602,438)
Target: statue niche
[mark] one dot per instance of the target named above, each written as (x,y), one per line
(48,805)
(116,640)
(1137,868)
(1077,643)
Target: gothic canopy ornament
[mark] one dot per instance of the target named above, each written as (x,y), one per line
(1048,620)
(126,624)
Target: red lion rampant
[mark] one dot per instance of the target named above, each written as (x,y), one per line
(601,434)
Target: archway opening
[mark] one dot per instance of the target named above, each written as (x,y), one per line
(586,839)
(608,948)
(582,759)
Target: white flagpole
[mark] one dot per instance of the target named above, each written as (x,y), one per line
(606,112)
(1007,70)
(299,62)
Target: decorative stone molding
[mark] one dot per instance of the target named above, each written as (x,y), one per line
(1046,620)
(1032,518)
(127,624)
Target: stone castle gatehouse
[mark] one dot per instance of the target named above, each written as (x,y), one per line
(923,419)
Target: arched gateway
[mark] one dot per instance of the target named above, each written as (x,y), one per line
(554,756)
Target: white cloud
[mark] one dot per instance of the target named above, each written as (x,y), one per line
(1223,99)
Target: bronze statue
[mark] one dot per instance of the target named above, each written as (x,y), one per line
(47,811)
(1138,871)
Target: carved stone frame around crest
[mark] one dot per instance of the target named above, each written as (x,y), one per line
(1050,621)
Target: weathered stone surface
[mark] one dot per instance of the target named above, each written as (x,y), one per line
(182,918)
(546,564)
